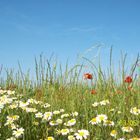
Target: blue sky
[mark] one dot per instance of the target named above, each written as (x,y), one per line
(67,28)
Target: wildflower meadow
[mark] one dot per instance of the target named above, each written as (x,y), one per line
(71,103)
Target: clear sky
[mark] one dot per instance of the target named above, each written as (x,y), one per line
(67,28)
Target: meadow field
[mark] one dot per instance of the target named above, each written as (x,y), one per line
(71,103)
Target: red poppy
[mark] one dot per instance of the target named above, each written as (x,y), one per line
(128,79)
(88,76)
(93,91)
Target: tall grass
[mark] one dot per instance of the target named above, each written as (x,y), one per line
(64,87)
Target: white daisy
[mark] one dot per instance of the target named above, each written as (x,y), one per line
(47,116)
(81,134)
(127,129)
(18,132)
(71,137)
(135,111)
(95,104)
(94,121)
(65,131)
(113,133)
(39,115)
(101,117)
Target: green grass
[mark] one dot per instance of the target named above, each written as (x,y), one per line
(66,89)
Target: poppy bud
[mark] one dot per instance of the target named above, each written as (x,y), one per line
(128,79)
(88,76)
(93,91)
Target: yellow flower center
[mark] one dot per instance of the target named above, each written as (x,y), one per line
(114,132)
(64,130)
(72,121)
(135,109)
(127,128)
(135,138)
(101,118)
(81,133)
(49,138)
(94,120)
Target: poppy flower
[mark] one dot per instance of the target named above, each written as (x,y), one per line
(93,91)
(88,76)
(128,79)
